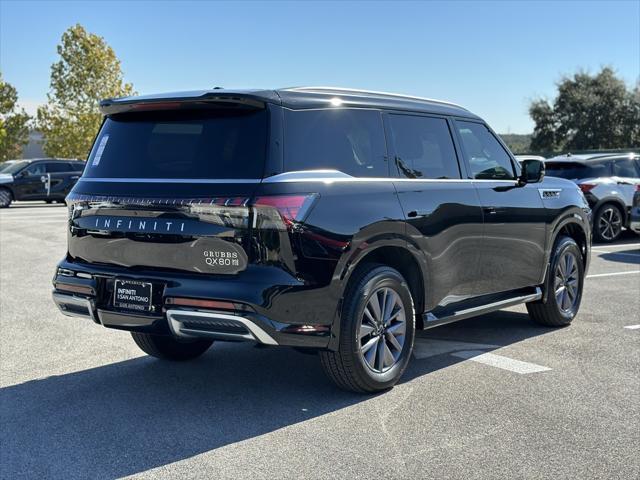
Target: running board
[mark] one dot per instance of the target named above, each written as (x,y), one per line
(430,320)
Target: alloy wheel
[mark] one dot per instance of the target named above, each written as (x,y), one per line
(567,282)
(610,223)
(382,329)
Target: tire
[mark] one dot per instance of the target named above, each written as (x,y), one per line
(169,348)
(607,223)
(5,198)
(380,367)
(48,202)
(566,275)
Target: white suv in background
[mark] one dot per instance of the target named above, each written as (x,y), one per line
(608,183)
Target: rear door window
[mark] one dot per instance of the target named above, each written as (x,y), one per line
(348,140)
(487,158)
(58,167)
(576,170)
(76,166)
(424,147)
(626,167)
(36,169)
(183,144)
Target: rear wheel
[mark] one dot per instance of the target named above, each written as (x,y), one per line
(376,332)
(608,223)
(169,348)
(564,286)
(5,198)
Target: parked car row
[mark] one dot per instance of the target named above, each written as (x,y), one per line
(608,182)
(48,179)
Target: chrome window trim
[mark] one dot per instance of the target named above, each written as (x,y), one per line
(169,180)
(325,176)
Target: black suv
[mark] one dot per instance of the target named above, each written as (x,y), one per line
(330,220)
(47,179)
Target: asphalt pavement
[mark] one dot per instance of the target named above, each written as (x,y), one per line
(492,397)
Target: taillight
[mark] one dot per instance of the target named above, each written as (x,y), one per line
(586,187)
(282,211)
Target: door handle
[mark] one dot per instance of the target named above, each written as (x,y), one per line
(490,210)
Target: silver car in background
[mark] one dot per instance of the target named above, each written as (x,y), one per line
(608,182)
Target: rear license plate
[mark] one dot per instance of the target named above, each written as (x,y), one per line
(132,295)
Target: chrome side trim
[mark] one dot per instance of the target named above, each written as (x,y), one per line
(373,92)
(430,320)
(61,299)
(256,333)
(170,180)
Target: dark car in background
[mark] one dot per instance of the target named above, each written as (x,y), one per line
(608,183)
(48,179)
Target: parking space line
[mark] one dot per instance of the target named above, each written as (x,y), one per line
(430,347)
(620,253)
(613,274)
(43,217)
(632,327)
(621,245)
(499,361)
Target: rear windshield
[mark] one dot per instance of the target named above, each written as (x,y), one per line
(198,144)
(574,171)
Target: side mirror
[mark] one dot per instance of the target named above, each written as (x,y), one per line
(532,172)
(23,173)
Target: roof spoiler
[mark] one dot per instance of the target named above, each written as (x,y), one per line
(112,106)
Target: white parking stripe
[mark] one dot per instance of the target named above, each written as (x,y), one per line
(29,217)
(633,327)
(499,361)
(620,253)
(430,347)
(613,274)
(620,245)
(39,217)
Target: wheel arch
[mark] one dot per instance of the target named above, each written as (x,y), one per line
(394,254)
(617,201)
(10,190)
(577,228)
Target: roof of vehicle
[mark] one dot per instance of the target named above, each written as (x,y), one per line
(591,157)
(293,98)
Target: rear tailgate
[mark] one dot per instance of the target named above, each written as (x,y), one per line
(170,189)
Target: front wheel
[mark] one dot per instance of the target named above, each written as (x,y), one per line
(169,348)
(564,286)
(376,332)
(5,198)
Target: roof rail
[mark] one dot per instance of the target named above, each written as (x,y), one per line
(374,92)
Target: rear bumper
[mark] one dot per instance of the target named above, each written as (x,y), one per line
(264,312)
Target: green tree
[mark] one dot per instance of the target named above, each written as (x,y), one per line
(14,128)
(87,72)
(590,112)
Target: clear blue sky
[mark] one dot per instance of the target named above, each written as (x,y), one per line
(492,57)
